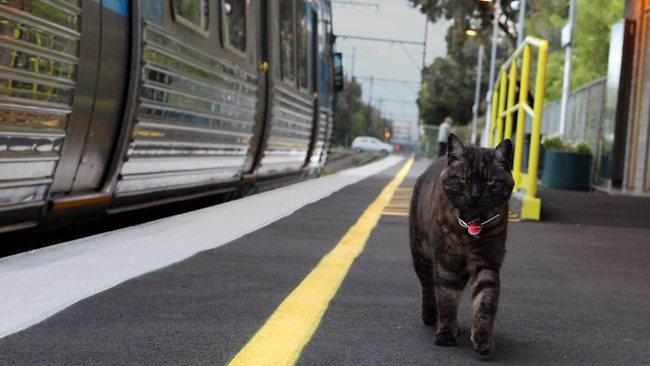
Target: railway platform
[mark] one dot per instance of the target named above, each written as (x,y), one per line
(319,273)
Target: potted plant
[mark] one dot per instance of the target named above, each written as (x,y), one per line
(566,166)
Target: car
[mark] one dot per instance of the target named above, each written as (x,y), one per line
(371,144)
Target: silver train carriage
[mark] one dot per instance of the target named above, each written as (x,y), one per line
(112,105)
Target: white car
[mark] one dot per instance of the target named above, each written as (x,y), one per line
(371,144)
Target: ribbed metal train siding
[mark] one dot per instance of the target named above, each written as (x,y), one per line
(316,159)
(39,49)
(195,118)
(290,133)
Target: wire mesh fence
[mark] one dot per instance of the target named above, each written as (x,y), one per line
(585,113)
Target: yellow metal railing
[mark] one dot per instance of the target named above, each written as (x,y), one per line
(504,107)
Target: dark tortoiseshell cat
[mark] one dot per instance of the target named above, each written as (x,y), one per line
(458,223)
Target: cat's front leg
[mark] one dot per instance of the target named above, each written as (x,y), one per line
(448,288)
(485,300)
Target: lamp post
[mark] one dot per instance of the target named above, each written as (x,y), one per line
(567,41)
(477,92)
(522,22)
(493,61)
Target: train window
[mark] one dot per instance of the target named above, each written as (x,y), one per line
(234,24)
(286,39)
(302,44)
(192,14)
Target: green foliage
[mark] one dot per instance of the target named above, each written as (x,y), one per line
(594,19)
(582,148)
(354,118)
(556,143)
(470,14)
(445,92)
(449,81)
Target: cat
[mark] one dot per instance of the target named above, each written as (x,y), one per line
(458,225)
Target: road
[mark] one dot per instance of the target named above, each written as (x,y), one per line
(573,292)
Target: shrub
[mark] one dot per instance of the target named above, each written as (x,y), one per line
(556,143)
(583,148)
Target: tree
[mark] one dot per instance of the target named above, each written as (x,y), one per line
(474,14)
(449,81)
(594,19)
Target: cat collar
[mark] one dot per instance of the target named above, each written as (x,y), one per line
(474,227)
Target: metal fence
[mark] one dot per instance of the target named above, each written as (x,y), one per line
(584,115)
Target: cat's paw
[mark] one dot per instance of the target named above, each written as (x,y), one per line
(429,318)
(483,342)
(446,338)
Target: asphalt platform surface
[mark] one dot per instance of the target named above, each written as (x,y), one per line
(574,291)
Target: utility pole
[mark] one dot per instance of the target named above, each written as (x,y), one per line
(354,58)
(477,93)
(567,41)
(521,28)
(493,61)
(424,44)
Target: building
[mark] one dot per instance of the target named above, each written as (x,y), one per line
(631,146)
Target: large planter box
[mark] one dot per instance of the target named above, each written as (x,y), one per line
(566,170)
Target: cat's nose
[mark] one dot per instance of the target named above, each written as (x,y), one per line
(475,194)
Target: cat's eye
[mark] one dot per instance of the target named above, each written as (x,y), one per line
(490,182)
(462,179)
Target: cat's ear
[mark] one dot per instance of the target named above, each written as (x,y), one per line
(455,149)
(503,154)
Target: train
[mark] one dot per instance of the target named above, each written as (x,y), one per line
(109,106)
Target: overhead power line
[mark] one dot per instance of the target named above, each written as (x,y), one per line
(383,40)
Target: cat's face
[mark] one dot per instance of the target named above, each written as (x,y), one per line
(477,178)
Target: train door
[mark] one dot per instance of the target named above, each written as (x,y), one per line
(53,54)
(197,101)
(97,107)
(291,101)
(264,41)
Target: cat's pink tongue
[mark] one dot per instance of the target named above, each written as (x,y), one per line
(474,229)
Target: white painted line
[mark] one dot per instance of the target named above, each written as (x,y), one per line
(37,284)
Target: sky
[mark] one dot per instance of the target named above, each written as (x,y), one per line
(395,19)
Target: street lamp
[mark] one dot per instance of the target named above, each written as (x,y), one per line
(495,33)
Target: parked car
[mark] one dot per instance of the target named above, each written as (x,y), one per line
(371,144)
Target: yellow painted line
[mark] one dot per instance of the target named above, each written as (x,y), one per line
(292,324)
